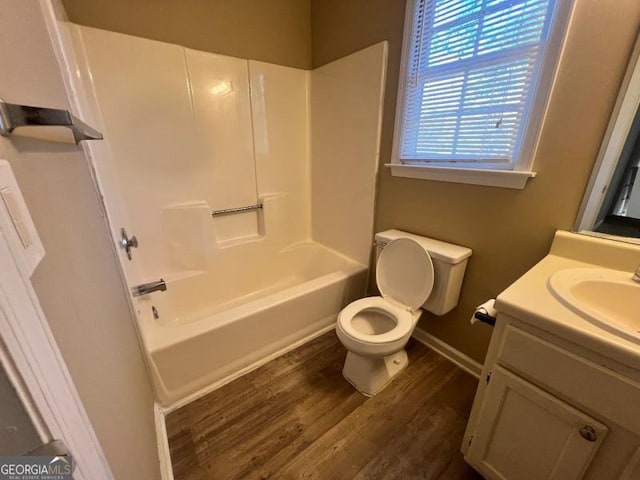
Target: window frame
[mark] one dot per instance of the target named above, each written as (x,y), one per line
(520,171)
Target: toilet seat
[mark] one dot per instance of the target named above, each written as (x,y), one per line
(402,317)
(404,273)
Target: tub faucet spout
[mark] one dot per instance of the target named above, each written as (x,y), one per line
(147,288)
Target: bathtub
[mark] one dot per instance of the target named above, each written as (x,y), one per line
(209,326)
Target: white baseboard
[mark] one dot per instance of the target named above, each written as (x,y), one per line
(465,362)
(162,440)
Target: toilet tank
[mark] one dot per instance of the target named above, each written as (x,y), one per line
(449,265)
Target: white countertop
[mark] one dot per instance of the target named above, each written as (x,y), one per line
(530,300)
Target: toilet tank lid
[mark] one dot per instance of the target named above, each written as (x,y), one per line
(443,251)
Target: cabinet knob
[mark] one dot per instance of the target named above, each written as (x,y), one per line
(588,433)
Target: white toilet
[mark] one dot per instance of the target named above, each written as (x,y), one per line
(411,272)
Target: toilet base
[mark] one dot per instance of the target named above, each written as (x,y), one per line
(369,375)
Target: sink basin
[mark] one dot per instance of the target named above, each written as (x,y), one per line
(607,298)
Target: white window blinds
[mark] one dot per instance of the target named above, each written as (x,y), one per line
(470,79)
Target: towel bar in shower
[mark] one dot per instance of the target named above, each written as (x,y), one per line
(228,211)
(13,116)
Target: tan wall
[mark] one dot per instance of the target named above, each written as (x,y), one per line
(508,230)
(276,31)
(345,97)
(78,282)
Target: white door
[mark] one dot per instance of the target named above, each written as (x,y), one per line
(42,404)
(526,434)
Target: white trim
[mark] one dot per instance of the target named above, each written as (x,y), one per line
(34,352)
(490,178)
(613,143)
(162,441)
(533,124)
(465,362)
(402,83)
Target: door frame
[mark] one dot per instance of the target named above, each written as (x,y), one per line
(613,143)
(34,364)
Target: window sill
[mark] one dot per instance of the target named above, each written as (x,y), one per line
(492,178)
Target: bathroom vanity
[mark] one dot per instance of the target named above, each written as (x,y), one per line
(559,395)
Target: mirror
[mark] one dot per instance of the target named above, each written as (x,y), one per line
(611,206)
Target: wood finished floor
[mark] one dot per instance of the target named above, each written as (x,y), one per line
(297,418)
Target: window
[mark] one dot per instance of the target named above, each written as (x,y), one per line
(475,84)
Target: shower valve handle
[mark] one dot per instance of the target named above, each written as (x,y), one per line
(127,243)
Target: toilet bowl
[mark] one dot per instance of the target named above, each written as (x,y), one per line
(375,330)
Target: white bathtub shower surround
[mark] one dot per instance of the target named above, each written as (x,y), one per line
(346,117)
(212,325)
(180,127)
(221,100)
(188,132)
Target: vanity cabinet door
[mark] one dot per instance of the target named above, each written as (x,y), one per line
(526,434)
